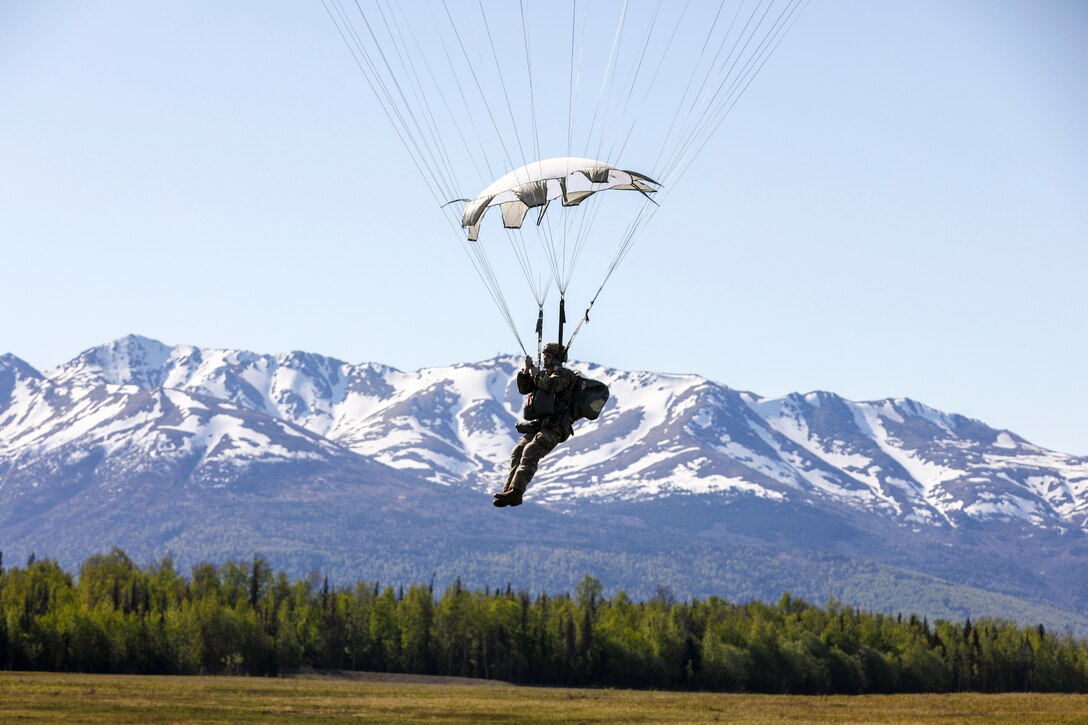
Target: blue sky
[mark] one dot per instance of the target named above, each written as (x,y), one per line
(895,208)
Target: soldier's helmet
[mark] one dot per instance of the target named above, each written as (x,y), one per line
(554,348)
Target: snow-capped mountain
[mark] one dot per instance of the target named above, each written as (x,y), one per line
(158,441)
(660,435)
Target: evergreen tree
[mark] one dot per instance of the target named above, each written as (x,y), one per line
(255,583)
(241,618)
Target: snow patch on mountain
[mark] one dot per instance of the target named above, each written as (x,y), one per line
(659,436)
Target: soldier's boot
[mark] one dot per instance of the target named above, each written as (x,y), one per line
(516,484)
(508,498)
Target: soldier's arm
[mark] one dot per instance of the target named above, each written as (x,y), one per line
(555,383)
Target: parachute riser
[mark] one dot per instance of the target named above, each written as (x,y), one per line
(584,320)
(562,317)
(540,337)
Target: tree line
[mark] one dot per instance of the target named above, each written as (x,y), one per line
(244,618)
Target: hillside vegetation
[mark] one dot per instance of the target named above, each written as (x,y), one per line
(243,618)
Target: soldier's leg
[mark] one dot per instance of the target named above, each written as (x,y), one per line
(541,444)
(515,459)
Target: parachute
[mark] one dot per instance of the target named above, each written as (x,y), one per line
(538,102)
(535,185)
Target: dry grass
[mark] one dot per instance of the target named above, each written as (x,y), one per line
(108,698)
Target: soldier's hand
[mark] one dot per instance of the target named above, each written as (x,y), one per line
(528,363)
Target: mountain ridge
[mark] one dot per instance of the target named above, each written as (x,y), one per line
(672,433)
(152,444)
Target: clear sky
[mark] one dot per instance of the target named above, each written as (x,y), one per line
(897,207)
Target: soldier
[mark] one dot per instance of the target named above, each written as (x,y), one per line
(548,406)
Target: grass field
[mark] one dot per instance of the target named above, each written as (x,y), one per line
(108,698)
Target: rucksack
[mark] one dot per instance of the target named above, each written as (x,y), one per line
(538,404)
(588,399)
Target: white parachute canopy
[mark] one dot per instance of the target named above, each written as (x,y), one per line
(535,185)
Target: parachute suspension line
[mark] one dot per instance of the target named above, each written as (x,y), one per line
(645,213)
(783,25)
(629,85)
(552,249)
(561,260)
(415,150)
(570,84)
(572,252)
(692,129)
(478,256)
(710,68)
(617,154)
(733,84)
(609,76)
(589,218)
(608,80)
(370,82)
(484,268)
(464,101)
(529,78)
(442,95)
(566,253)
(521,252)
(502,83)
(491,282)
(486,272)
(557,250)
(578,327)
(543,231)
(479,87)
(700,130)
(626,244)
(420,144)
(437,180)
(419,136)
(420,97)
(529,74)
(362,59)
(479,250)
(687,87)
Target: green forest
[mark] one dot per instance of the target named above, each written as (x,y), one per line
(241,617)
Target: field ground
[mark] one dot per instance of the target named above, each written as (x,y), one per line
(45,697)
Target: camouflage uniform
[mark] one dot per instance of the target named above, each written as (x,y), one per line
(546,433)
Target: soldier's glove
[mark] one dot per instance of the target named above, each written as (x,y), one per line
(527,426)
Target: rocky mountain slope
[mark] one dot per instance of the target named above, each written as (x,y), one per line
(315,461)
